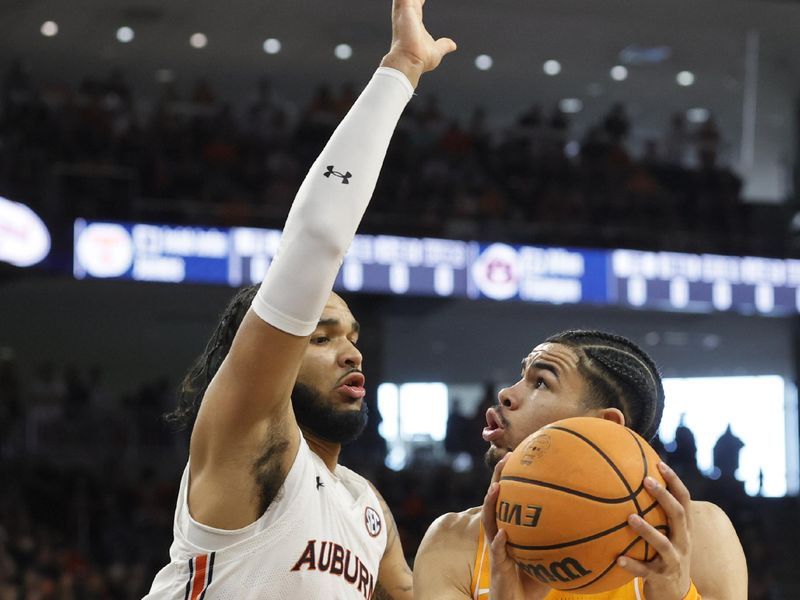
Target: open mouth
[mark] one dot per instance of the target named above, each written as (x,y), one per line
(352,385)
(494,426)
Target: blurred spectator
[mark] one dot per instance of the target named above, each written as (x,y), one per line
(92,152)
(707,142)
(10,398)
(726,454)
(677,142)
(616,124)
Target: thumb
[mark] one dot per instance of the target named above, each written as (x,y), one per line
(499,554)
(445,46)
(488,511)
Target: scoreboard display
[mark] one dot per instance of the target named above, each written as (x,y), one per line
(449,268)
(704,283)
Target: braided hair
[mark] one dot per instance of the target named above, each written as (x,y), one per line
(619,374)
(194,384)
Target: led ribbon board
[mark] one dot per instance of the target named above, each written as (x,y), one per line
(449,268)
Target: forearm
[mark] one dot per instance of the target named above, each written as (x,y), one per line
(329,206)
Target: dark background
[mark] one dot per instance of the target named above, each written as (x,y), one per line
(93,128)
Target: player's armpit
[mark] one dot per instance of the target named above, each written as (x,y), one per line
(444,561)
(251,388)
(382,593)
(718,567)
(245,432)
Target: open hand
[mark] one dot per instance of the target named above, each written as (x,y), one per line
(414,51)
(667,576)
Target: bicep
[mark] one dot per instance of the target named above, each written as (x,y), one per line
(251,390)
(719,568)
(394,574)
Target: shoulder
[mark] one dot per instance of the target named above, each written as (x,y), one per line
(445,560)
(455,532)
(381,499)
(706,516)
(718,569)
(464,523)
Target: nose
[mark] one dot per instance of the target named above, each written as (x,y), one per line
(350,356)
(506,397)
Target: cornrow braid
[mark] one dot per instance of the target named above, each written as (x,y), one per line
(620,374)
(194,384)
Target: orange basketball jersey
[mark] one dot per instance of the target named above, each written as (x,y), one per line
(479,587)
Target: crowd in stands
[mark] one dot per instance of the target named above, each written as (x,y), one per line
(89,483)
(89,479)
(97,149)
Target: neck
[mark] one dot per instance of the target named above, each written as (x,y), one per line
(328,451)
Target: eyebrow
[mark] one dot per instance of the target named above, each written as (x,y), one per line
(355,327)
(546,367)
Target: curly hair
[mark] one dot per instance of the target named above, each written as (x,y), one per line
(194,384)
(620,374)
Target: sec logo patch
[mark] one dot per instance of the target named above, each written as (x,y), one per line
(373,521)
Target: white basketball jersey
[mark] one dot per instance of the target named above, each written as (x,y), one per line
(322,537)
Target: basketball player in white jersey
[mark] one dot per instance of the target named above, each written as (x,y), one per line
(264,511)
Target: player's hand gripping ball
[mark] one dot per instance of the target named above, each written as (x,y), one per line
(565,496)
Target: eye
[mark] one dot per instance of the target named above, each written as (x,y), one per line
(540,383)
(320,339)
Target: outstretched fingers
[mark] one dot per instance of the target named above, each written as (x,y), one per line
(668,575)
(658,541)
(414,51)
(675,500)
(678,490)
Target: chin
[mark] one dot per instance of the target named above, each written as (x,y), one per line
(351,405)
(494,454)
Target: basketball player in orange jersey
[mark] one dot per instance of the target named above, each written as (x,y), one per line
(582,373)
(264,511)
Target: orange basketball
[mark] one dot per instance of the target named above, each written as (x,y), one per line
(565,496)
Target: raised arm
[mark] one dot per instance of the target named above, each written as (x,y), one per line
(246,413)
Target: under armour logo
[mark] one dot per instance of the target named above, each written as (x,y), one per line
(319,483)
(343,176)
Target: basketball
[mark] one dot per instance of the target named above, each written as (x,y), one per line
(565,496)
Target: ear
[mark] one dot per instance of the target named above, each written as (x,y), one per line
(612,414)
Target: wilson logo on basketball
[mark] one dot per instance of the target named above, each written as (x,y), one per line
(564,570)
(373,521)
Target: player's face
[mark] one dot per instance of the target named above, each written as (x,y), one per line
(329,394)
(550,388)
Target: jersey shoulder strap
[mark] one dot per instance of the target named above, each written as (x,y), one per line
(479,587)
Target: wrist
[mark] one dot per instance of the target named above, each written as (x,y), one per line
(409,66)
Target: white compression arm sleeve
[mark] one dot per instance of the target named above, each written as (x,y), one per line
(329,206)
